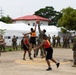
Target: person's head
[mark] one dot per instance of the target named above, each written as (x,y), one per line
(44,37)
(44,31)
(13,35)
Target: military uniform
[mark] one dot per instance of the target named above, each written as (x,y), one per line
(64,42)
(2,46)
(74,50)
(2,43)
(49,38)
(14,43)
(40,39)
(58,41)
(54,41)
(68,43)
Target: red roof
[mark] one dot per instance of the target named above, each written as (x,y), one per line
(31,17)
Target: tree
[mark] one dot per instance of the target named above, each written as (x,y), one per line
(6,19)
(2,31)
(68,20)
(50,13)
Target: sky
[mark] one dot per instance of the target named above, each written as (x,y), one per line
(18,8)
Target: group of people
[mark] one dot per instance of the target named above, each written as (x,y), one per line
(44,45)
(64,42)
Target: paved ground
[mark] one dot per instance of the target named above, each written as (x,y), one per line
(12,64)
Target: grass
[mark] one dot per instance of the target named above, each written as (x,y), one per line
(10,48)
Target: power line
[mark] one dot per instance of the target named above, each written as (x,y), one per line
(1,12)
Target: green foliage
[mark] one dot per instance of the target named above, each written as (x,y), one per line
(63,30)
(50,13)
(2,31)
(68,20)
(6,19)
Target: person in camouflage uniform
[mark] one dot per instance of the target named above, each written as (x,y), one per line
(2,42)
(64,41)
(68,41)
(3,46)
(14,42)
(74,50)
(54,41)
(41,49)
(40,39)
(58,41)
(49,38)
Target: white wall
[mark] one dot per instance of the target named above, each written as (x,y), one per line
(31,22)
(9,35)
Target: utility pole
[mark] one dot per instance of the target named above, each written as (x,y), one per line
(1,12)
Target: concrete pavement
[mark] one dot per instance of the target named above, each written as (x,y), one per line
(12,64)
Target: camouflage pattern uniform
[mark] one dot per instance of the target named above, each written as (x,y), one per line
(64,42)
(41,49)
(43,53)
(49,38)
(68,41)
(58,41)
(2,44)
(54,41)
(14,43)
(74,50)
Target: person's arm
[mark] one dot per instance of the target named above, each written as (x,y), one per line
(26,33)
(36,48)
(38,22)
(35,27)
(39,28)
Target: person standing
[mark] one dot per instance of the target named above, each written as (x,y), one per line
(14,42)
(68,41)
(64,41)
(54,41)
(2,47)
(49,52)
(2,42)
(40,39)
(74,51)
(49,37)
(58,41)
(22,43)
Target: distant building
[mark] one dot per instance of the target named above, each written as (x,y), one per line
(31,20)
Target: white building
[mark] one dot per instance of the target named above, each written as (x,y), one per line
(31,20)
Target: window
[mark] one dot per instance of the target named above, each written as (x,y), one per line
(29,24)
(33,24)
(19,37)
(7,37)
